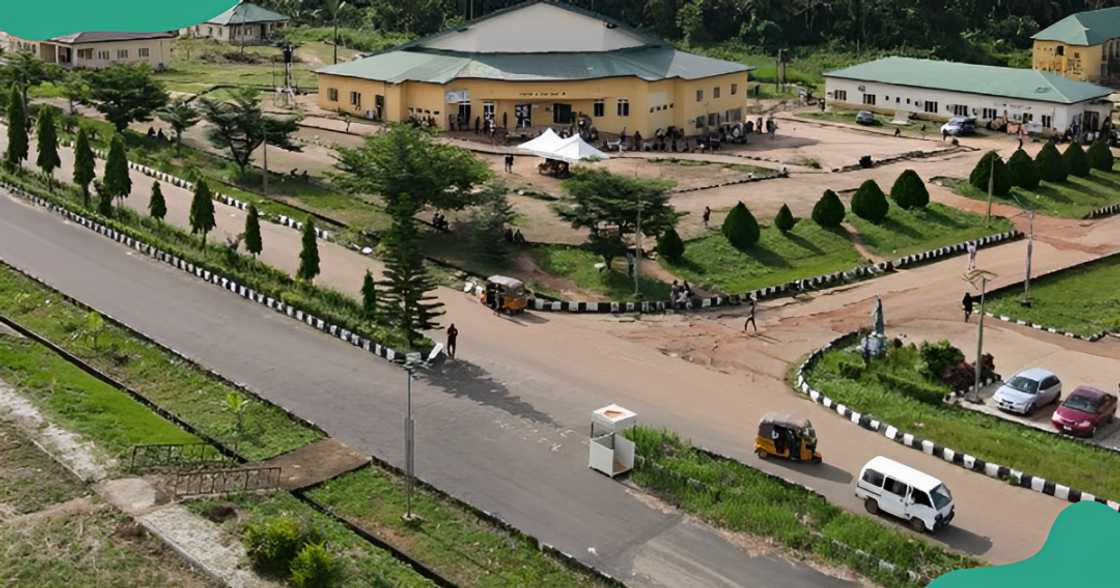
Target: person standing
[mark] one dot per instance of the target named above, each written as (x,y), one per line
(966,304)
(751,316)
(707,216)
(971,255)
(452,338)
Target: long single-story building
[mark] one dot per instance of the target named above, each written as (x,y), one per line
(99,49)
(536,64)
(941,89)
(244,23)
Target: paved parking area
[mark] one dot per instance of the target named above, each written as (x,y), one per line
(1107,437)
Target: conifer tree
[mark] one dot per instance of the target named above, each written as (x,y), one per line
(253,242)
(309,254)
(785,220)
(869,202)
(18,140)
(202,210)
(369,297)
(117,183)
(157,206)
(829,211)
(84,165)
(1023,170)
(407,287)
(741,228)
(47,134)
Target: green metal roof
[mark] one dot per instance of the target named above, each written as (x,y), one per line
(244,13)
(647,63)
(1008,82)
(1084,28)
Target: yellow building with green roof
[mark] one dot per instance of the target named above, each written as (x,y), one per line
(1084,46)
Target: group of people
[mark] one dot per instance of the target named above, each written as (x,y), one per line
(154,134)
(440,222)
(680,294)
(514,236)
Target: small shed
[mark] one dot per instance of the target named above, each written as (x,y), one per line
(610,452)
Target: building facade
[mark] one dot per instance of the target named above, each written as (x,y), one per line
(97,50)
(540,64)
(1083,46)
(244,23)
(939,90)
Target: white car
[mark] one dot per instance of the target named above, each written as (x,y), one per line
(1028,390)
(904,492)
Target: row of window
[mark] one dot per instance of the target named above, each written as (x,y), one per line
(104,54)
(931,107)
(715,92)
(716,118)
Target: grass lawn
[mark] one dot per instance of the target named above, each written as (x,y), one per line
(578,265)
(743,168)
(163,378)
(1083,300)
(712,263)
(29,479)
(909,231)
(742,499)
(363,564)
(1073,198)
(912,128)
(987,437)
(457,545)
(197,65)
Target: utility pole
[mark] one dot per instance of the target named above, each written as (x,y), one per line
(409,447)
(1030,252)
(983,277)
(264,154)
(638,252)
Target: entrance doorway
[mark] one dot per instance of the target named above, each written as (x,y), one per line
(524,114)
(464,114)
(562,114)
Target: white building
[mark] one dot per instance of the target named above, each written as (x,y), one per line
(98,49)
(244,23)
(939,90)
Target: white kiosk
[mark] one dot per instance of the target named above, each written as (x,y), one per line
(611,453)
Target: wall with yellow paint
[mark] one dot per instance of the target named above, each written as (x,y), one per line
(1076,62)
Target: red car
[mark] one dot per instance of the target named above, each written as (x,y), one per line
(1085,410)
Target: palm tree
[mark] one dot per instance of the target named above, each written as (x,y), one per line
(333,7)
(180,116)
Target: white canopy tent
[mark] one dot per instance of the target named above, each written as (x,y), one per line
(546,142)
(571,150)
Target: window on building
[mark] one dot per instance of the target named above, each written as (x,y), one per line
(886,98)
(988,113)
(734,89)
(699,95)
(931,106)
(869,99)
(332,94)
(1077,55)
(734,115)
(715,92)
(1047,121)
(713,120)
(1060,50)
(1027,117)
(959,109)
(122,53)
(623,107)
(700,120)
(840,95)
(103,55)
(85,53)
(908,101)
(143,52)
(599,108)
(355,99)
(897,100)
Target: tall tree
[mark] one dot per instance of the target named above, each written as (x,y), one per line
(407,284)
(333,8)
(24,70)
(180,116)
(104,199)
(117,184)
(75,88)
(240,126)
(84,164)
(253,242)
(309,253)
(202,210)
(408,160)
(369,297)
(126,93)
(157,206)
(18,140)
(47,136)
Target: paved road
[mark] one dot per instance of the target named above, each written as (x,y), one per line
(523,458)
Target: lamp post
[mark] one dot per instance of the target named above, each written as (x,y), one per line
(972,277)
(1030,251)
(413,362)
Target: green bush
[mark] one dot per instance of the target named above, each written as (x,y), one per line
(314,567)
(1076,161)
(670,245)
(1100,156)
(938,357)
(909,191)
(852,370)
(274,542)
(829,212)
(979,176)
(1023,170)
(785,221)
(741,228)
(916,389)
(869,203)
(1051,166)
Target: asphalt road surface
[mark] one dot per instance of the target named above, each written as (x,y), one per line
(480,439)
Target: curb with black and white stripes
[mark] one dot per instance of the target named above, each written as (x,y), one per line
(1103,211)
(351,337)
(957,249)
(964,460)
(1045,329)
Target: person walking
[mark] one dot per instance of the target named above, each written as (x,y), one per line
(707,216)
(751,316)
(966,304)
(897,131)
(452,338)
(971,255)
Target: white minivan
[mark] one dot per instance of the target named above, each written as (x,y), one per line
(902,491)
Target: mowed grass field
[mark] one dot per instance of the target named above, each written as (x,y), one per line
(1074,198)
(1083,300)
(909,231)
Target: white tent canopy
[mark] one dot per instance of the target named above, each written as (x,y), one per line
(547,141)
(571,150)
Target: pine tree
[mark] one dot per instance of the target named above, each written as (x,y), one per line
(741,228)
(1076,161)
(17,130)
(84,168)
(202,210)
(909,191)
(47,134)
(979,176)
(104,200)
(309,255)
(1023,170)
(1051,166)
(1100,156)
(407,285)
(253,232)
(670,246)
(829,211)
(157,206)
(369,297)
(785,220)
(869,203)
(117,182)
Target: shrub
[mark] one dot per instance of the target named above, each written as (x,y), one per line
(1023,170)
(851,370)
(314,567)
(740,227)
(785,221)
(937,357)
(916,389)
(962,376)
(1051,166)
(870,203)
(1076,161)
(909,191)
(1100,156)
(979,176)
(670,245)
(829,210)
(274,542)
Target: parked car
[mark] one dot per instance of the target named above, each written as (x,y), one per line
(904,492)
(1085,410)
(1028,390)
(866,118)
(959,126)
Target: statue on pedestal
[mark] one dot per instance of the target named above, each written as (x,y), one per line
(874,344)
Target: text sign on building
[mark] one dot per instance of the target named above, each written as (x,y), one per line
(457,96)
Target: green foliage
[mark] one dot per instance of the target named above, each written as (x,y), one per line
(84,164)
(1023,170)
(785,220)
(202,210)
(117,184)
(937,357)
(829,212)
(47,135)
(180,115)
(24,70)
(1100,156)
(273,543)
(157,206)
(916,389)
(869,203)
(408,287)
(18,140)
(909,191)
(238,125)
(309,254)
(315,567)
(104,199)
(1051,165)
(740,228)
(984,168)
(1076,161)
(126,93)
(253,243)
(670,245)
(488,222)
(369,297)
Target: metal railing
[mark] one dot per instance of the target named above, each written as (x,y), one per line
(157,456)
(228,481)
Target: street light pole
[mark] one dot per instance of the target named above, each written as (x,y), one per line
(638,252)
(1030,252)
(980,341)
(409,449)
(264,148)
